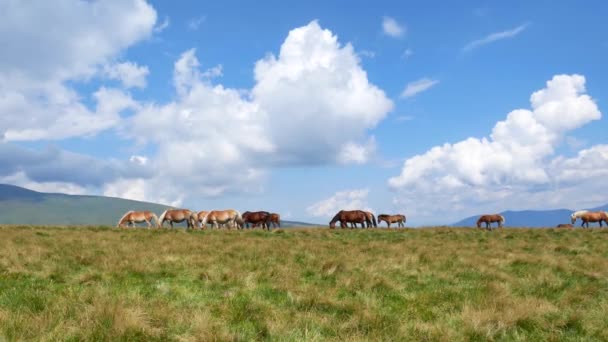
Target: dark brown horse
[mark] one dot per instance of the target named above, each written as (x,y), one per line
(399,219)
(256,218)
(275,219)
(350,216)
(564,225)
(489,219)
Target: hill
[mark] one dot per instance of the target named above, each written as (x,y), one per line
(530,218)
(22,206)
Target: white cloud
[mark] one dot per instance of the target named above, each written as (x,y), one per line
(194,23)
(407,54)
(36,101)
(416,87)
(392,28)
(162,26)
(367,53)
(353,153)
(513,160)
(316,85)
(495,37)
(130,74)
(21,179)
(341,200)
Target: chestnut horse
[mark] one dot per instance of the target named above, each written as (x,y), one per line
(564,225)
(275,219)
(177,215)
(400,219)
(587,217)
(131,217)
(230,217)
(349,216)
(577,214)
(256,218)
(489,219)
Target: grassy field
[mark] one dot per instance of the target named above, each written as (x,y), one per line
(303,284)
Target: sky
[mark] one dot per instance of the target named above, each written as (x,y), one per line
(437,111)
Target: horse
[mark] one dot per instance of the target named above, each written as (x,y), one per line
(177,215)
(256,218)
(199,218)
(230,217)
(349,216)
(577,214)
(400,219)
(131,217)
(371,218)
(598,216)
(564,225)
(275,219)
(489,219)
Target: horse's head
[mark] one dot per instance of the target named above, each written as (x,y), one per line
(332,224)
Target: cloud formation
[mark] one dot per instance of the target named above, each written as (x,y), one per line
(341,200)
(515,158)
(495,37)
(392,28)
(419,86)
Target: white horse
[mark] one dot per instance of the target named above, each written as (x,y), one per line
(577,214)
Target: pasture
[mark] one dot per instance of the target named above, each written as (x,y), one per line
(99,283)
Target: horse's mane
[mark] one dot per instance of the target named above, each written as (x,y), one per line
(123,217)
(578,213)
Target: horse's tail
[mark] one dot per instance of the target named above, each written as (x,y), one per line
(404,218)
(374,221)
(123,217)
(502,219)
(153,215)
(204,220)
(161,219)
(238,219)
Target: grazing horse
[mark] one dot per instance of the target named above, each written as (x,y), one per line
(177,216)
(489,219)
(256,218)
(564,225)
(275,219)
(349,216)
(598,216)
(131,217)
(577,214)
(199,218)
(230,217)
(400,219)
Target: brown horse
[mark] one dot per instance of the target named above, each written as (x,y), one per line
(131,217)
(275,219)
(229,217)
(256,218)
(400,219)
(350,216)
(489,219)
(177,215)
(598,216)
(564,225)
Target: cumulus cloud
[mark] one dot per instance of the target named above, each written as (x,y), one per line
(341,200)
(316,84)
(515,158)
(392,28)
(417,87)
(495,37)
(130,74)
(84,37)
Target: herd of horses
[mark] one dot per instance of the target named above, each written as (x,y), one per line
(233,219)
(229,218)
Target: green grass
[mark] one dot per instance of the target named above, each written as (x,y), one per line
(100,283)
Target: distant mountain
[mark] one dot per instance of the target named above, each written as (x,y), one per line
(530,218)
(27,207)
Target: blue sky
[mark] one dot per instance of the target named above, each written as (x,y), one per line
(312,107)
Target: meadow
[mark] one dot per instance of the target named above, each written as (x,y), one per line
(453,284)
